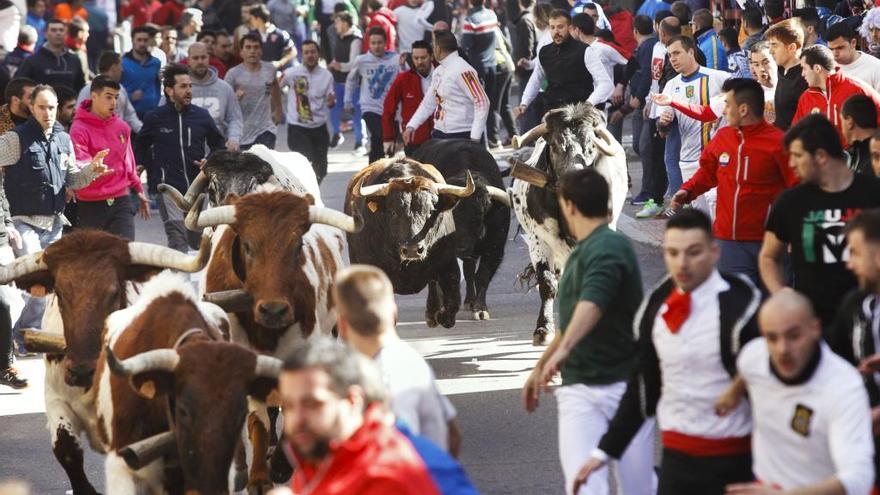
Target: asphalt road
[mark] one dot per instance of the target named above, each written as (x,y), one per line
(480,365)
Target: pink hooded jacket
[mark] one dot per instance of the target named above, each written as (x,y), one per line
(91,134)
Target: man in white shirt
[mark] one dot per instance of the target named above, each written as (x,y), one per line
(583,29)
(811,428)
(765,71)
(455,98)
(695,85)
(559,65)
(412,23)
(690,329)
(308,106)
(366,319)
(842,40)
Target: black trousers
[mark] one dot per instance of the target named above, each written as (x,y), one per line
(5,335)
(267,139)
(115,217)
(374,127)
(499,106)
(313,143)
(682,474)
(652,149)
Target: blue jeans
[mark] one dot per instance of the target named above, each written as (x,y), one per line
(336,114)
(673,153)
(34,239)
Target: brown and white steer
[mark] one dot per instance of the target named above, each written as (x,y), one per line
(281,253)
(164,354)
(89,272)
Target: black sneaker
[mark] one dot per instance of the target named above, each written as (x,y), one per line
(10,377)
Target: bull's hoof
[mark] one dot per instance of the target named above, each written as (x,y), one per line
(542,336)
(259,488)
(447,319)
(240,481)
(430,320)
(481,315)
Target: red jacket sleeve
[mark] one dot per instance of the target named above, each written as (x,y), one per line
(705,178)
(801,111)
(788,174)
(703,113)
(389,109)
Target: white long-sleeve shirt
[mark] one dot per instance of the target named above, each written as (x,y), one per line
(412,22)
(603,85)
(809,431)
(455,98)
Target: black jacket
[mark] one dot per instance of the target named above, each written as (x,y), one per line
(851,334)
(860,157)
(738,307)
(45,67)
(525,42)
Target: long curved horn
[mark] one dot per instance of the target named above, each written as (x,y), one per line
(458,191)
(143,253)
(267,367)
(371,191)
(604,141)
(532,134)
(333,218)
(191,222)
(220,215)
(231,301)
(22,266)
(138,454)
(155,360)
(185,201)
(500,195)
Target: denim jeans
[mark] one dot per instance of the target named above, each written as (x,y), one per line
(34,239)
(336,114)
(673,151)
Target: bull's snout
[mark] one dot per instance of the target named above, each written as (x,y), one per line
(275,314)
(412,251)
(79,375)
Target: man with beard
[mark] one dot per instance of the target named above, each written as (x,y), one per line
(572,70)
(308,107)
(214,95)
(53,63)
(158,148)
(854,334)
(16,111)
(140,72)
(406,93)
(337,439)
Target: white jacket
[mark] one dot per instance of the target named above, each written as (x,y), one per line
(455,98)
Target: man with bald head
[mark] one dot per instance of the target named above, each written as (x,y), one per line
(214,94)
(811,429)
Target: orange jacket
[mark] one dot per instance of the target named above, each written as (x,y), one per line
(749,166)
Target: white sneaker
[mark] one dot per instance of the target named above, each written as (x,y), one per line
(360,151)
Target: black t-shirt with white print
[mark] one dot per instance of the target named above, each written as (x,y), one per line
(812,221)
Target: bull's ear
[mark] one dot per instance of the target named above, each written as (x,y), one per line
(152,384)
(447,202)
(311,199)
(237,260)
(261,387)
(140,273)
(39,281)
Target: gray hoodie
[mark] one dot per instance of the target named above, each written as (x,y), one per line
(218,98)
(374,75)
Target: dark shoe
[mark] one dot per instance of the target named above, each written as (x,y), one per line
(10,378)
(640,199)
(336,141)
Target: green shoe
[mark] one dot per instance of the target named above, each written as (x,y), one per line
(649,210)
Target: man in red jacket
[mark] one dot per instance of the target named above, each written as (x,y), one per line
(828,88)
(382,16)
(340,443)
(748,164)
(407,92)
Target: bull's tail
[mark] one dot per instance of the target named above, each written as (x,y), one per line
(527,278)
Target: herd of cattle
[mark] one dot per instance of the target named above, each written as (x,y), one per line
(136,354)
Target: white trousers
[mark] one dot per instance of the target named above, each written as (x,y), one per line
(584,414)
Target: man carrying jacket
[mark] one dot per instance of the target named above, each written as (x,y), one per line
(406,93)
(746,161)
(106,203)
(171,145)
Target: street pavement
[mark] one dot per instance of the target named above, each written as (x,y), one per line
(480,365)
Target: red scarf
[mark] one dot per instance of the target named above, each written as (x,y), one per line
(678,308)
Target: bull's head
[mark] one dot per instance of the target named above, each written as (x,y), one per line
(225,173)
(268,254)
(411,201)
(575,134)
(206,384)
(88,271)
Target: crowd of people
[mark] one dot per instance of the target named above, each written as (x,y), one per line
(756,125)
